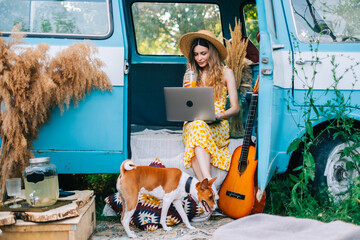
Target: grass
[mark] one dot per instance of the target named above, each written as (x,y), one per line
(316,204)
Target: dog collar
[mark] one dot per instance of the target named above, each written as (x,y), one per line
(187,185)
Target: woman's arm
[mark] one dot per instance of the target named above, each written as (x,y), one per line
(233,96)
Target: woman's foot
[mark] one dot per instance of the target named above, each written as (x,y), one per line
(202,217)
(217,212)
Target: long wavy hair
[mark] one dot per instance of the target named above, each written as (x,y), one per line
(213,77)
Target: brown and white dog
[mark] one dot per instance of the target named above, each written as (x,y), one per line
(169,184)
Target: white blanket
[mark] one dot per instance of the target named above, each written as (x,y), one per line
(167,145)
(264,226)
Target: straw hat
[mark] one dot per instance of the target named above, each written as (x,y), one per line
(187,39)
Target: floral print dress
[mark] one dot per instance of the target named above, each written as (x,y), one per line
(214,138)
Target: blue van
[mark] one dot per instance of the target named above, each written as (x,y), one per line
(138,43)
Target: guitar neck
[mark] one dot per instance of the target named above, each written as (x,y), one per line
(249,127)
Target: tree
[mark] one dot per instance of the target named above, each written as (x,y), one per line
(159,26)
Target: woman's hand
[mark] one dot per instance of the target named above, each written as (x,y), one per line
(186,83)
(220,116)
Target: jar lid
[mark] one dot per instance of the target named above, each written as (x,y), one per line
(40,160)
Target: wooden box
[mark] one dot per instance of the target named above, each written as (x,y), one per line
(77,228)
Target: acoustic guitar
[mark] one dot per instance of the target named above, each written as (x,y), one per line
(237,193)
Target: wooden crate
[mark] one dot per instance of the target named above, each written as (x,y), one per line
(78,228)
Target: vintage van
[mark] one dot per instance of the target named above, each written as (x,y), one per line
(137,41)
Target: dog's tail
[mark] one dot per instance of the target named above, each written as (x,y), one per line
(127,165)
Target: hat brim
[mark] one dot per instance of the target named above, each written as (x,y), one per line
(187,39)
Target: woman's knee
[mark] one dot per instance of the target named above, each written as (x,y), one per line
(200,124)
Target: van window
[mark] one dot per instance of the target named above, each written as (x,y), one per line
(251,23)
(327,20)
(159,26)
(270,18)
(66,17)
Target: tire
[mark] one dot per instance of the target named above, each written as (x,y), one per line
(330,169)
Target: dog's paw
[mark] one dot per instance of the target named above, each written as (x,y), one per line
(131,234)
(190,227)
(166,228)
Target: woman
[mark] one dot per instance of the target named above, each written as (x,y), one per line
(206,144)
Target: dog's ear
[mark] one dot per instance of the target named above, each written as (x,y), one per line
(197,185)
(212,181)
(204,184)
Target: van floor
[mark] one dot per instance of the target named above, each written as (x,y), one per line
(203,230)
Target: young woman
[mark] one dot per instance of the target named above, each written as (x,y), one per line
(206,144)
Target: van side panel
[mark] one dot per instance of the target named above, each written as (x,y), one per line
(91,137)
(265,93)
(291,88)
(275,49)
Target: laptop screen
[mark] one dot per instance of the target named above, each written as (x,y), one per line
(188,104)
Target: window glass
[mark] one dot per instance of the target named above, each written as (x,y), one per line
(270,18)
(251,22)
(159,26)
(89,17)
(327,20)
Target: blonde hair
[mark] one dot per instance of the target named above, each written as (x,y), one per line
(214,76)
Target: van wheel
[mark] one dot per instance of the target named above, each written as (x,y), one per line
(330,169)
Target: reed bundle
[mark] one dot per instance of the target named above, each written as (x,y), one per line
(31,85)
(236,48)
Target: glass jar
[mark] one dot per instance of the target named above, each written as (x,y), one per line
(41,183)
(190,78)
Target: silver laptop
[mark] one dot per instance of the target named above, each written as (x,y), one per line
(188,104)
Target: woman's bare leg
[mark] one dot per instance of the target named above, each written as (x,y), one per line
(204,164)
(196,168)
(203,161)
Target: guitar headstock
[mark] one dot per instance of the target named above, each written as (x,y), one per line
(256,87)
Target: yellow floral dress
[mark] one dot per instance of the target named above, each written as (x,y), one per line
(214,138)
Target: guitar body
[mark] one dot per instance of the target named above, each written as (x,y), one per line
(236,195)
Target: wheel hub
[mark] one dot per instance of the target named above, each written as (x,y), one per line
(340,173)
(338,178)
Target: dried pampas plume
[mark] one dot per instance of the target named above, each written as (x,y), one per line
(236,60)
(31,85)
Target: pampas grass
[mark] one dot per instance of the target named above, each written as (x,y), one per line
(240,65)
(31,85)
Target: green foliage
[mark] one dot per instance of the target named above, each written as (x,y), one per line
(77,17)
(348,11)
(303,201)
(159,26)
(64,23)
(317,205)
(294,145)
(102,184)
(46,26)
(251,23)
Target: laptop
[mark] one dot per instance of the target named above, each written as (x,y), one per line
(190,103)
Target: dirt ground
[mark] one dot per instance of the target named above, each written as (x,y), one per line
(204,230)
